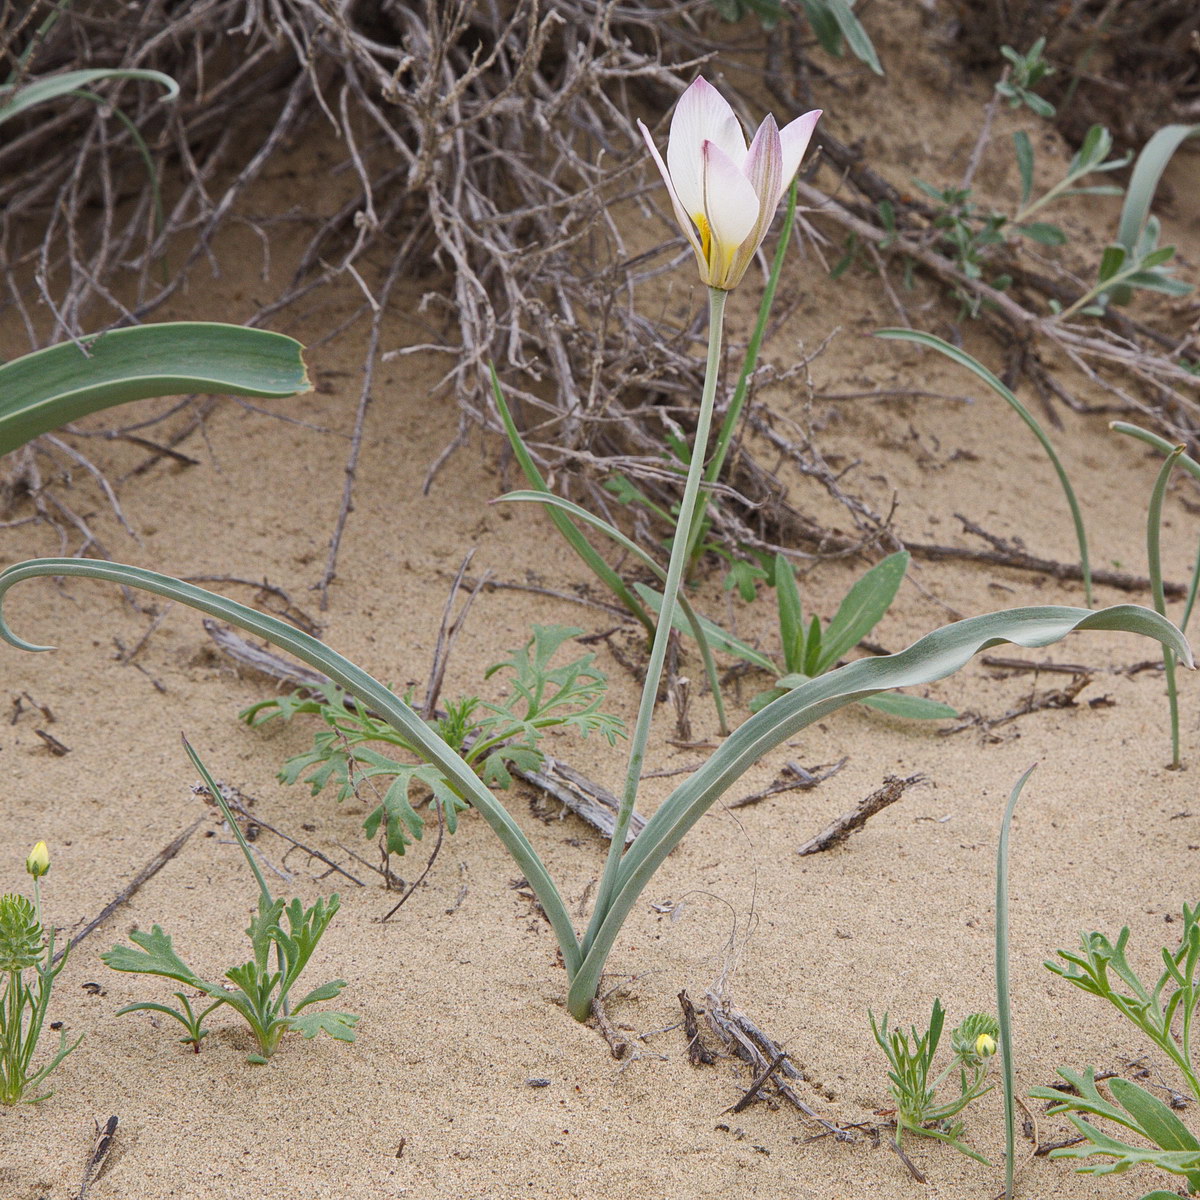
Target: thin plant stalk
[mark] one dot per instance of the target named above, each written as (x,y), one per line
(972,364)
(1003,993)
(1192,467)
(552,502)
(666,616)
(219,798)
(1154,558)
(737,403)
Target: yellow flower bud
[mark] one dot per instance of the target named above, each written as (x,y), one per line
(38,862)
(985,1045)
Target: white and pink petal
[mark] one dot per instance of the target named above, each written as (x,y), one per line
(701,115)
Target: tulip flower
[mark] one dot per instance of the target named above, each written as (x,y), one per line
(723,193)
(38,862)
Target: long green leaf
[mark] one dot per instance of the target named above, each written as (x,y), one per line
(791,615)
(1143,182)
(48,388)
(1154,562)
(856,36)
(935,656)
(965,360)
(51,87)
(1003,991)
(347,676)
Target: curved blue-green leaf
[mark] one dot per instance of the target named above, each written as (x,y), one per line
(1143,182)
(349,678)
(972,364)
(48,388)
(50,87)
(935,656)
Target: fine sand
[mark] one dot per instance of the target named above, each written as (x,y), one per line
(468,1077)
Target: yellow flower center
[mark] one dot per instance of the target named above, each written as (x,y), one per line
(705,231)
(985,1045)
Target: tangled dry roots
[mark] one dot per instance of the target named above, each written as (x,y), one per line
(488,141)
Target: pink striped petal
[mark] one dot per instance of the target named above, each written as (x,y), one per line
(764,169)
(794,138)
(764,166)
(681,214)
(701,115)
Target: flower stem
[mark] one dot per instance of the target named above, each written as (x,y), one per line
(666,616)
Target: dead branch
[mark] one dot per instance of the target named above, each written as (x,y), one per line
(842,827)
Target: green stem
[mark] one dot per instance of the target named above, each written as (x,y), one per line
(12,1075)
(666,616)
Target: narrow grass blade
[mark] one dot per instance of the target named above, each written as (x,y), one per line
(51,87)
(1154,560)
(935,656)
(349,678)
(1003,992)
(48,388)
(972,364)
(562,523)
(713,633)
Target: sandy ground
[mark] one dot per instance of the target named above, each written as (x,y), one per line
(461,997)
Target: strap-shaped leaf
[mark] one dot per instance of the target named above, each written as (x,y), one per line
(46,389)
(50,87)
(347,676)
(791,615)
(935,656)
(862,609)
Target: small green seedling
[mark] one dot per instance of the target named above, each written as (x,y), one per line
(810,651)
(1166,1014)
(1135,259)
(1025,72)
(918,1109)
(262,988)
(491,737)
(25,946)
